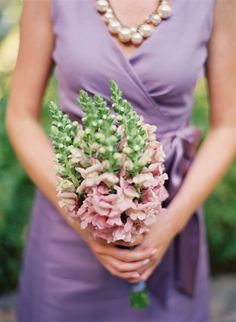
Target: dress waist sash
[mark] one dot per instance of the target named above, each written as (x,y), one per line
(182,256)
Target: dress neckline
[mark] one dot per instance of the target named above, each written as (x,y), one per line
(138,51)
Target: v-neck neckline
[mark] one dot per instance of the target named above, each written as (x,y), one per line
(139,49)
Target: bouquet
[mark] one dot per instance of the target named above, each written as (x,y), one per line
(110,171)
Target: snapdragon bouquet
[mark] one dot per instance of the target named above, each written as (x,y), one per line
(110,171)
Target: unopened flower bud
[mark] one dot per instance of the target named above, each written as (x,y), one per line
(127,150)
(106,164)
(68,139)
(112,139)
(54,130)
(136,148)
(145,158)
(95,146)
(100,136)
(102,150)
(68,127)
(109,148)
(128,165)
(139,123)
(67,185)
(64,120)
(59,156)
(113,128)
(117,156)
(60,169)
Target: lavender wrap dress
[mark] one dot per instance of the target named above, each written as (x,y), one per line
(61,280)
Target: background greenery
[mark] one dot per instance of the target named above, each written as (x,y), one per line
(16,190)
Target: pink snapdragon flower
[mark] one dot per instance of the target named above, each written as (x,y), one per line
(119,214)
(66,194)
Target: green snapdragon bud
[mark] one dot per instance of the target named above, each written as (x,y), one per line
(134,133)
(63,132)
(136,148)
(100,132)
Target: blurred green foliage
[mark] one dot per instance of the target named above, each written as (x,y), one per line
(15,203)
(16,191)
(16,195)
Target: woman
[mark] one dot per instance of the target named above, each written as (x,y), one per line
(66,276)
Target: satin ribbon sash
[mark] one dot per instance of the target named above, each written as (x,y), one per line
(182,256)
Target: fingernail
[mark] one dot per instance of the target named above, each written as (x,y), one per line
(154,251)
(136,275)
(146,261)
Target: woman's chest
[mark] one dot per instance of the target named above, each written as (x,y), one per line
(168,63)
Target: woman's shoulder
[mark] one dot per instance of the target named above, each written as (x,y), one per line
(224,19)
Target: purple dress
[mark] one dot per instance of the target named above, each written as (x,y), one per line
(61,280)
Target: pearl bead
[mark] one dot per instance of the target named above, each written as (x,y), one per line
(133,30)
(108,16)
(164,10)
(155,19)
(114,26)
(110,10)
(124,34)
(146,30)
(136,38)
(102,5)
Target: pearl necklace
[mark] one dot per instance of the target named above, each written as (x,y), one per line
(137,34)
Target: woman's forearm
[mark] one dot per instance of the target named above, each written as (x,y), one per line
(36,155)
(209,166)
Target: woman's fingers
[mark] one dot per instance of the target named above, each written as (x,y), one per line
(134,280)
(128,267)
(128,275)
(132,272)
(147,273)
(127,255)
(153,262)
(116,269)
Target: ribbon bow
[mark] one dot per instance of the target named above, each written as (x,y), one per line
(180,147)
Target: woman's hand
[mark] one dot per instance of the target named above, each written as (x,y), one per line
(123,263)
(158,238)
(137,264)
